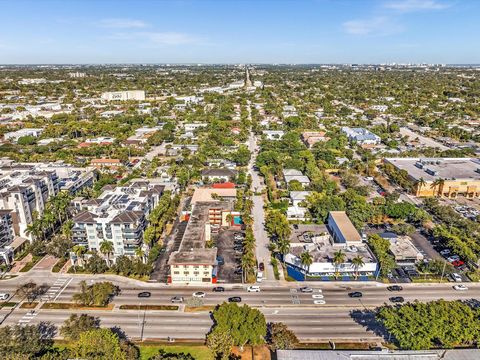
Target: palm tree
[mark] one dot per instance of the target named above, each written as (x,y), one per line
(106,248)
(438,183)
(338,259)
(357,263)
(140,253)
(420,184)
(306,259)
(79,250)
(283,248)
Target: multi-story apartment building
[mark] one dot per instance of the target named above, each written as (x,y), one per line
(26,187)
(24,193)
(6,229)
(118,215)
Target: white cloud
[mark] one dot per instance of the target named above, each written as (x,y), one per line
(379,26)
(415,5)
(122,23)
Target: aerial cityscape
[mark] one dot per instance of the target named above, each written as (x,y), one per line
(240,179)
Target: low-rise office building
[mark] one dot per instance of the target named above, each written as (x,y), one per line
(136,95)
(193,262)
(445,177)
(323,243)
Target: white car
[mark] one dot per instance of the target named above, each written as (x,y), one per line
(456,277)
(4,296)
(460,287)
(317,296)
(319,302)
(199,294)
(253,288)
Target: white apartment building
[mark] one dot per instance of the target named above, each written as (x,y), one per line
(118,215)
(26,192)
(137,95)
(26,187)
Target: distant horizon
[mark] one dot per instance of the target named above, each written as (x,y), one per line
(239,64)
(239,31)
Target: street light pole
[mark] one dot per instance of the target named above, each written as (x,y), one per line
(443,271)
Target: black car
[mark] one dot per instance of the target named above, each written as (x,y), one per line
(395,288)
(144,294)
(261,266)
(235,299)
(397,299)
(355,294)
(218,289)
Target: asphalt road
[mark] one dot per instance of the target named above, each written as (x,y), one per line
(331,321)
(261,237)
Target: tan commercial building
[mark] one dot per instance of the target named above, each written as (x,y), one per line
(445,177)
(194,262)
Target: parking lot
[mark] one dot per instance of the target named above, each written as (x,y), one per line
(228,271)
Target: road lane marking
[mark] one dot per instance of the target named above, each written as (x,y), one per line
(66,285)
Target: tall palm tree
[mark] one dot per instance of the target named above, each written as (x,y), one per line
(438,183)
(283,248)
(338,259)
(306,259)
(140,253)
(420,184)
(357,263)
(106,248)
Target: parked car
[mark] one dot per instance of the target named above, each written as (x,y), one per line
(253,288)
(261,266)
(395,288)
(397,299)
(460,287)
(355,294)
(4,296)
(445,252)
(177,299)
(453,258)
(456,277)
(235,299)
(306,289)
(144,294)
(458,263)
(218,289)
(259,276)
(199,294)
(220,260)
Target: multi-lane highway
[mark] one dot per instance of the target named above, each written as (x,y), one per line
(283,302)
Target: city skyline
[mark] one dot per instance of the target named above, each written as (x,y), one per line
(321,31)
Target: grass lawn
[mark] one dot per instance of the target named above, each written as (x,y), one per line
(199,352)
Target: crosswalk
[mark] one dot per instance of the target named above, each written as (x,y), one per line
(25,320)
(55,290)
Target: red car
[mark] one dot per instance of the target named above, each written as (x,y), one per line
(457,263)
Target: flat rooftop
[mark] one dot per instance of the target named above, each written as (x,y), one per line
(322,250)
(345,226)
(205,194)
(441,168)
(192,248)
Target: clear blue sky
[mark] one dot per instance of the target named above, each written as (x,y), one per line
(239,31)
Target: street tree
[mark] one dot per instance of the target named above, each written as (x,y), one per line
(77,324)
(280,337)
